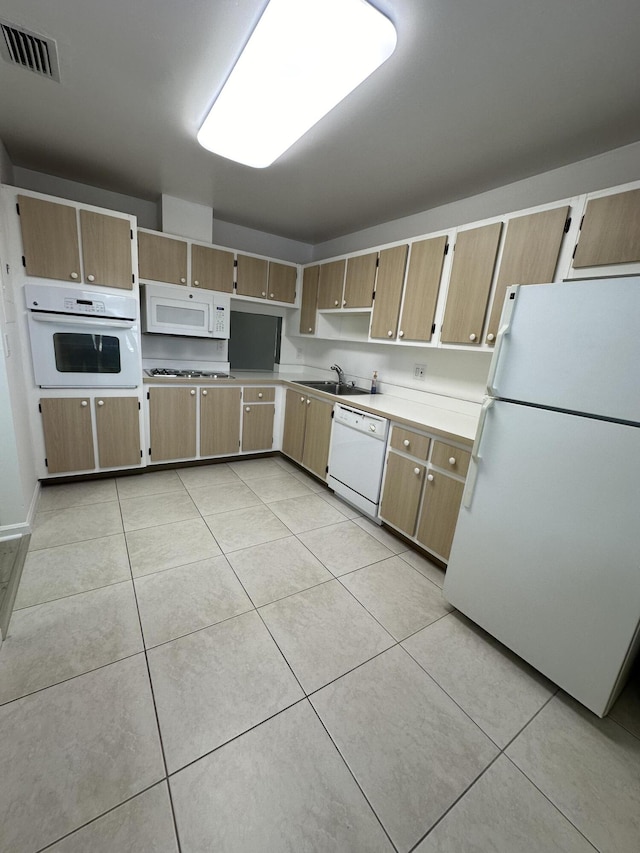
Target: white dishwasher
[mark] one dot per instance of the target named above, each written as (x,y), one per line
(356,458)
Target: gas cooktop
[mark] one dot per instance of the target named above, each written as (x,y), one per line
(187,374)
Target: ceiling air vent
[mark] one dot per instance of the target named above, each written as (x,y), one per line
(29,50)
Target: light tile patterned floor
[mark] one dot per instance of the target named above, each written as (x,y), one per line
(228,658)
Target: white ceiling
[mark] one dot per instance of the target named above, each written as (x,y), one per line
(479,93)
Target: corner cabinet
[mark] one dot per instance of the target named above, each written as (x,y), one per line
(94,431)
(307,431)
(422,488)
(54,234)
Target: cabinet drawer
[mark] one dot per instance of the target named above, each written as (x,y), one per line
(443,454)
(259,395)
(410,442)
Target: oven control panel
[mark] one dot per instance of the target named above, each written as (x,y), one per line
(84,306)
(57,299)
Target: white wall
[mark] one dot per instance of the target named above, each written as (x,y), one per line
(606,170)
(6,166)
(260,242)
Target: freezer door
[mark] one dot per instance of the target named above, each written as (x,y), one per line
(572,346)
(546,556)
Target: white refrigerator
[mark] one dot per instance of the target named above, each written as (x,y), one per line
(546,554)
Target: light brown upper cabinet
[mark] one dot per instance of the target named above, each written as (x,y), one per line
(421,289)
(471,274)
(610,232)
(309,301)
(252,277)
(49,239)
(219,421)
(162,258)
(282,282)
(52,248)
(211,269)
(530,255)
(360,281)
(386,305)
(106,249)
(330,284)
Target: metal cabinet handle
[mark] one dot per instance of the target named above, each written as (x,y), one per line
(406,442)
(491,337)
(183,281)
(302,399)
(74,275)
(248,409)
(308,402)
(83,403)
(310,329)
(389,334)
(192,392)
(336,302)
(260,395)
(344,303)
(264,292)
(272,296)
(416,471)
(452,460)
(101,402)
(472,337)
(204,392)
(401,334)
(91,278)
(430,478)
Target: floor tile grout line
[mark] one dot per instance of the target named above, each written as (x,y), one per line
(353,775)
(454,803)
(70,595)
(152,647)
(48,846)
(155,706)
(555,806)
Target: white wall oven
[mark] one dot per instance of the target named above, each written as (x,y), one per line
(83,338)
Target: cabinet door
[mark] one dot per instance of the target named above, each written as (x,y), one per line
(219,420)
(295,415)
(360,281)
(106,249)
(386,306)
(118,431)
(309,300)
(172,423)
(530,255)
(49,239)
(257,427)
(330,284)
(68,436)
(317,436)
(610,232)
(439,516)
(282,282)
(401,492)
(473,264)
(162,258)
(421,290)
(252,277)
(212,268)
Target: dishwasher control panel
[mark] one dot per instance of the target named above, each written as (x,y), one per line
(372,425)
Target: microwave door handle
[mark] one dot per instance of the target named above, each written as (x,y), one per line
(212,308)
(89,322)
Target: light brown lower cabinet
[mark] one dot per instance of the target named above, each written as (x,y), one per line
(439,515)
(172,423)
(219,421)
(307,431)
(68,433)
(317,435)
(402,490)
(257,426)
(118,431)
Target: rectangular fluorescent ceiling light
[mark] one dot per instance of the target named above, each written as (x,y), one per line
(303,58)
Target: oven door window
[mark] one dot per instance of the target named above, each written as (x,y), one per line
(78,352)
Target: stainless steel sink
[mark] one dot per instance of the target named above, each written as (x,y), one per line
(333,388)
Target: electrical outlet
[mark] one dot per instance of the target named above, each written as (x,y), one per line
(419,371)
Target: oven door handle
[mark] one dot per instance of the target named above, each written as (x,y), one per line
(88,322)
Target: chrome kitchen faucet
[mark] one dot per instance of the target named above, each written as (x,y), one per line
(340,373)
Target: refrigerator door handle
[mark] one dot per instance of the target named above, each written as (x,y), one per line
(505,325)
(472,474)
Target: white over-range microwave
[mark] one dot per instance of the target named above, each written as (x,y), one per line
(175,310)
(83,338)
